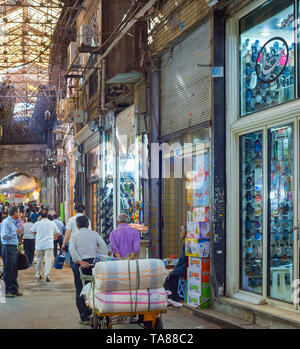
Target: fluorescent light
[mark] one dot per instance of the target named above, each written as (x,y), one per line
(265,34)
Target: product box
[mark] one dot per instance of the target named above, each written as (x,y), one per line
(196,301)
(198,276)
(203,249)
(203,289)
(198,230)
(204,230)
(192,247)
(199,264)
(193,230)
(201,214)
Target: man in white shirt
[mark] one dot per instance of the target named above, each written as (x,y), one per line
(46,232)
(28,240)
(85,244)
(71,225)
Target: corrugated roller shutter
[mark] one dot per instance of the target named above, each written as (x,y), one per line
(92,142)
(125,122)
(186,83)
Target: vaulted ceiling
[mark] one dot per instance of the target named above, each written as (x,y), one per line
(26,29)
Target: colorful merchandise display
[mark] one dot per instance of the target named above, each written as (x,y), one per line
(197,247)
(267,58)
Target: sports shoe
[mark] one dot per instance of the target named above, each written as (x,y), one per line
(47,279)
(39,277)
(18,293)
(9,295)
(84,322)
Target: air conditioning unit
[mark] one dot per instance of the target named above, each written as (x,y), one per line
(71,54)
(85,35)
(212,3)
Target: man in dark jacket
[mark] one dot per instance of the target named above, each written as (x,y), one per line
(171,282)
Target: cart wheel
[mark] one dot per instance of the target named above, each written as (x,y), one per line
(158,323)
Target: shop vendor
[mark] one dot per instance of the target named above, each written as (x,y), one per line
(179,271)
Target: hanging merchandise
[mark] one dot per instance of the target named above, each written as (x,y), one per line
(130,162)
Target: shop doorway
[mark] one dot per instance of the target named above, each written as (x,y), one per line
(269,210)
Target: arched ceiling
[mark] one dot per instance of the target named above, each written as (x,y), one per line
(26,30)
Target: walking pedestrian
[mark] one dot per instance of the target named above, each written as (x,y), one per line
(46,232)
(71,224)
(28,240)
(124,240)
(10,239)
(35,215)
(85,244)
(59,240)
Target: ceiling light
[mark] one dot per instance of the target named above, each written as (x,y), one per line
(265,34)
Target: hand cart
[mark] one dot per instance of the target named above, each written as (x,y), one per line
(151,319)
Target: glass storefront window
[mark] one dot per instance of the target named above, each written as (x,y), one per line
(267,56)
(185,186)
(106,191)
(281,198)
(251,205)
(130,184)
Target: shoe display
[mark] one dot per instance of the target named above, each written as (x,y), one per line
(252,207)
(255,60)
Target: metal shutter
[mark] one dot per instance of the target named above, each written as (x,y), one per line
(125,122)
(185,83)
(92,142)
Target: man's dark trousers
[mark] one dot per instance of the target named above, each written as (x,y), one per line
(59,241)
(84,311)
(29,249)
(171,284)
(10,266)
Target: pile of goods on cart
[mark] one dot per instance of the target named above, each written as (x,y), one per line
(128,288)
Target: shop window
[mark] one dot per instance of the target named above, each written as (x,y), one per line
(185,186)
(251,206)
(267,56)
(130,182)
(281,199)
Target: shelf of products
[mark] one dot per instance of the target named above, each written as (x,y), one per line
(251,183)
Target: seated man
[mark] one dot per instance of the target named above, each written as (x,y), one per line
(85,244)
(171,282)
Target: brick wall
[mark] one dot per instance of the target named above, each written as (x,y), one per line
(174,18)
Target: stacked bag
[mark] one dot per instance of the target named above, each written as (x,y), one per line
(128,286)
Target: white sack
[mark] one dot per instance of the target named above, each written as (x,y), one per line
(120,301)
(114,275)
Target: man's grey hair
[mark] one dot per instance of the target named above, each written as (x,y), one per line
(123,218)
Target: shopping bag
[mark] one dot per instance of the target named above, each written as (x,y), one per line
(23,262)
(59,261)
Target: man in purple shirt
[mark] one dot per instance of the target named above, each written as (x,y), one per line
(124,240)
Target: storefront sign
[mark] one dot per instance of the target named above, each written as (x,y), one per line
(272,60)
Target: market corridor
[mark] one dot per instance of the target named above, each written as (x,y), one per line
(51,305)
